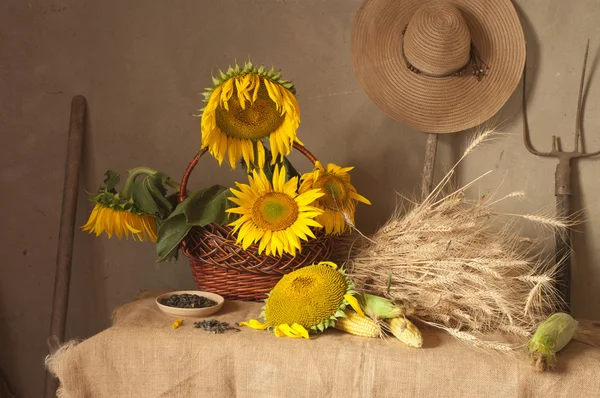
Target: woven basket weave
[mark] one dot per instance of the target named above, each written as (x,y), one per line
(221,266)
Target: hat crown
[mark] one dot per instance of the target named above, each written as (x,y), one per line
(437,39)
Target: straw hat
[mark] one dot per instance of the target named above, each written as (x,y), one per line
(438,66)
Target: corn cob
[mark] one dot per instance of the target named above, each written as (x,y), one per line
(549,338)
(379,308)
(406,332)
(358,325)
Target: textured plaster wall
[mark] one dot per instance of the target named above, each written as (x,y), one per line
(142,65)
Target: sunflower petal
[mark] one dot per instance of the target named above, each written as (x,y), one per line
(254,324)
(300,330)
(354,304)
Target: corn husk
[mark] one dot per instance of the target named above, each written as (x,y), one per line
(549,338)
(378,307)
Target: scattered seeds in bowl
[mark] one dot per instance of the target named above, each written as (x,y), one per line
(186,300)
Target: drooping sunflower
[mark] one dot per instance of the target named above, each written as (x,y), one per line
(340,199)
(121,222)
(244,107)
(135,209)
(308,299)
(274,214)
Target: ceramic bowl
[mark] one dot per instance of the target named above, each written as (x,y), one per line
(190,312)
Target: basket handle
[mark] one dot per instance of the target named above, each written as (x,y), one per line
(194,162)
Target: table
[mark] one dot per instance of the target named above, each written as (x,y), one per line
(142,356)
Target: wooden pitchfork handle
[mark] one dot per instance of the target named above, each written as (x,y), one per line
(62,278)
(562,185)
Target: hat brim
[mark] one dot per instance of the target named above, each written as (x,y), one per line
(431,104)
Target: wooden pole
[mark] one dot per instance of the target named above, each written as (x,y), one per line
(62,277)
(429,165)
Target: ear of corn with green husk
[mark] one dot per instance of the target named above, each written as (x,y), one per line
(379,308)
(358,325)
(406,332)
(549,338)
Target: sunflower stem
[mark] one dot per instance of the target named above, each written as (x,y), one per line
(135,172)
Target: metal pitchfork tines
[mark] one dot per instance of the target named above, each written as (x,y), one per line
(562,186)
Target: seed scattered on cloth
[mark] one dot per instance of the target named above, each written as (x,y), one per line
(186,300)
(214,326)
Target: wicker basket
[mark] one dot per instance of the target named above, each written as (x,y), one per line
(221,266)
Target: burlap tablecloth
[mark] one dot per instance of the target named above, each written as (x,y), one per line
(142,356)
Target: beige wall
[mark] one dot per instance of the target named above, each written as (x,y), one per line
(142,64)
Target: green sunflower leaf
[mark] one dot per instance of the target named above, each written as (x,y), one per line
(207,206)
(171,232)
(155,186)
(111,180)
(143,198)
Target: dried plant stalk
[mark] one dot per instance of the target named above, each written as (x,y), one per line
(460,265)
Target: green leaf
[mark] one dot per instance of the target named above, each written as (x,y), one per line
(207,206)
(150,195)
(143,198)
(111,180)
(155,186)
(171,232)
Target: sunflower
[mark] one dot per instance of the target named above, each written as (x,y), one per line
(308,299)
(135,209)
(340,199)
(244,107)
(121,222)
(274,214)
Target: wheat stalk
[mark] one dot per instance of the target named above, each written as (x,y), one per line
(462,266)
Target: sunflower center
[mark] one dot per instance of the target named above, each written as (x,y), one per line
(275,211)
(256,121)
(301,283)
(335,191)
(307,296)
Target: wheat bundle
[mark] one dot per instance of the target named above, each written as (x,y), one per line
(460,265)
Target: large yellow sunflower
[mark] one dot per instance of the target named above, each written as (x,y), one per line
(121,222)
(340,199)
(274,214)
(311,298)
(246,106)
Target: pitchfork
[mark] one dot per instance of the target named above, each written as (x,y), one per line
(562,187)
